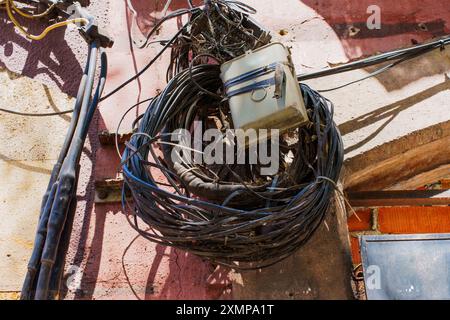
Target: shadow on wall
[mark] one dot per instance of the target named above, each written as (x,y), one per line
(51,56)
(148,271)
(180,284)
(403,24)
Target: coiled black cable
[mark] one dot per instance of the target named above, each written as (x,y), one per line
(275,219)
(46,264)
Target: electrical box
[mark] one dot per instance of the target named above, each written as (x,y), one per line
(263,90)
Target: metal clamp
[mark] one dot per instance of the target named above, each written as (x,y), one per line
(90,32)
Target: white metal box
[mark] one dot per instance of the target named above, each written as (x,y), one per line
(263,90)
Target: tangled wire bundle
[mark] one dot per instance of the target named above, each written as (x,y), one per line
(242,222)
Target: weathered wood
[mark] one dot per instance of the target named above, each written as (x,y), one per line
(400,160)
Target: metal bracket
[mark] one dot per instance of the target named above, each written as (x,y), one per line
(92,32)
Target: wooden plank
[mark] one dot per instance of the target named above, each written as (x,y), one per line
(399,198)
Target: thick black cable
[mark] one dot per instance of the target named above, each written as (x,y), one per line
(55,224)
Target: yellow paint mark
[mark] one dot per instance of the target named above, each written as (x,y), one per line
(9,295)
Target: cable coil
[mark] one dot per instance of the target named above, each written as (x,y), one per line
(235,223)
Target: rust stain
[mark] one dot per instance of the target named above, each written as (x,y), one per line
(445,184)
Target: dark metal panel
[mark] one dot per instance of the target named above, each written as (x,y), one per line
(406,267)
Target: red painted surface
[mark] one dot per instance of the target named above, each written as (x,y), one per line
(356,250)
(401,23)
(120,265)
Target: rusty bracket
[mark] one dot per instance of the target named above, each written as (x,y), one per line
(107,138)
